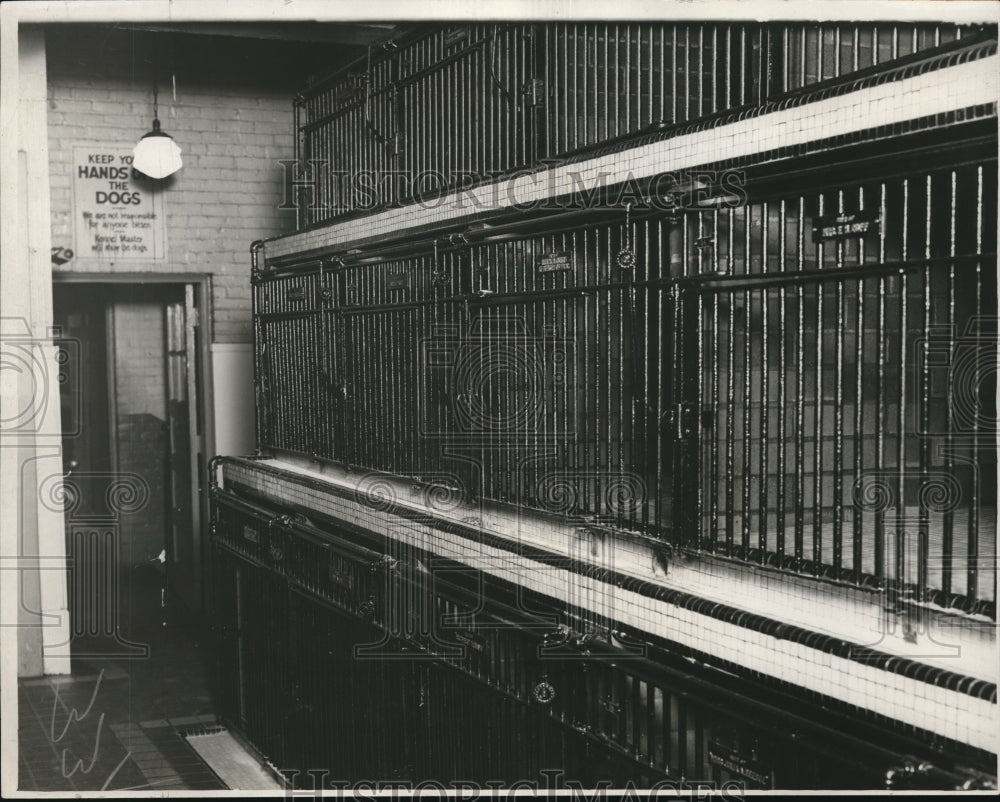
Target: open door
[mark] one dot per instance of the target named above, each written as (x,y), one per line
(133,440)
(185,451)
(92,543)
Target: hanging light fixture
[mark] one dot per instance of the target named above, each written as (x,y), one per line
(156,155)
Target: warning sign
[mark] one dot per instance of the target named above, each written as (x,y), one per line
(114,218)
(845,226)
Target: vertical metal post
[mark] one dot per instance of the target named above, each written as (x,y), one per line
(765,368)
(923,423)
(972,559)
(731,386)
(747,365)
(838,416)
(817,510)
(800,392)
(859,401)
(779,545)
(900,541)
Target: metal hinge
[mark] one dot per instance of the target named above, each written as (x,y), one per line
(611,705)
(678,415)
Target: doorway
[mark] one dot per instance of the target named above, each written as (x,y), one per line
(134,446)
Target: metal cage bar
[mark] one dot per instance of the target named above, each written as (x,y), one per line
(735,380)
(464,102)
(308,603)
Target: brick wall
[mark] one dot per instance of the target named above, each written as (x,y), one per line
(232,118)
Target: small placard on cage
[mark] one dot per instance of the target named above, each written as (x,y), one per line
(471,639)
(296,294)
(845,226)
(551,262)
(397,281)
(740,765)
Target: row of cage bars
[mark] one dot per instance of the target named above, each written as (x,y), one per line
(462,104)
(546,704)
(647,722)
(783,398)
(869,370)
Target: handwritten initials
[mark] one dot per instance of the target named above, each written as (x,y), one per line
(78,717)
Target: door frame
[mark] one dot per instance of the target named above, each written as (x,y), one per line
(202,282)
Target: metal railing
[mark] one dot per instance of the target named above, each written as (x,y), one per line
(450,107)
(747,381)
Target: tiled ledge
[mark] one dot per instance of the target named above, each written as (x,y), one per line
(871,108)
(827,639)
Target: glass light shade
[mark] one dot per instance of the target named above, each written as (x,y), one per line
(157,155)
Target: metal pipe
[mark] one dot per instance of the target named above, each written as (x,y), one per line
(779,545)
(972,549)
(838,414)
(880,394)
(948,518)
(900,535)
(765,368)
(923,415)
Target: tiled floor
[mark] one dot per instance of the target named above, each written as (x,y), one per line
(117,722)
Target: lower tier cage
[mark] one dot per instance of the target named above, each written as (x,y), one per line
(349,659)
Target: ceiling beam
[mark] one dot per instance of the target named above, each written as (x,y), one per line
(342,33)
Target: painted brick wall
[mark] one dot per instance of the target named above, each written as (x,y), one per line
(232,117)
